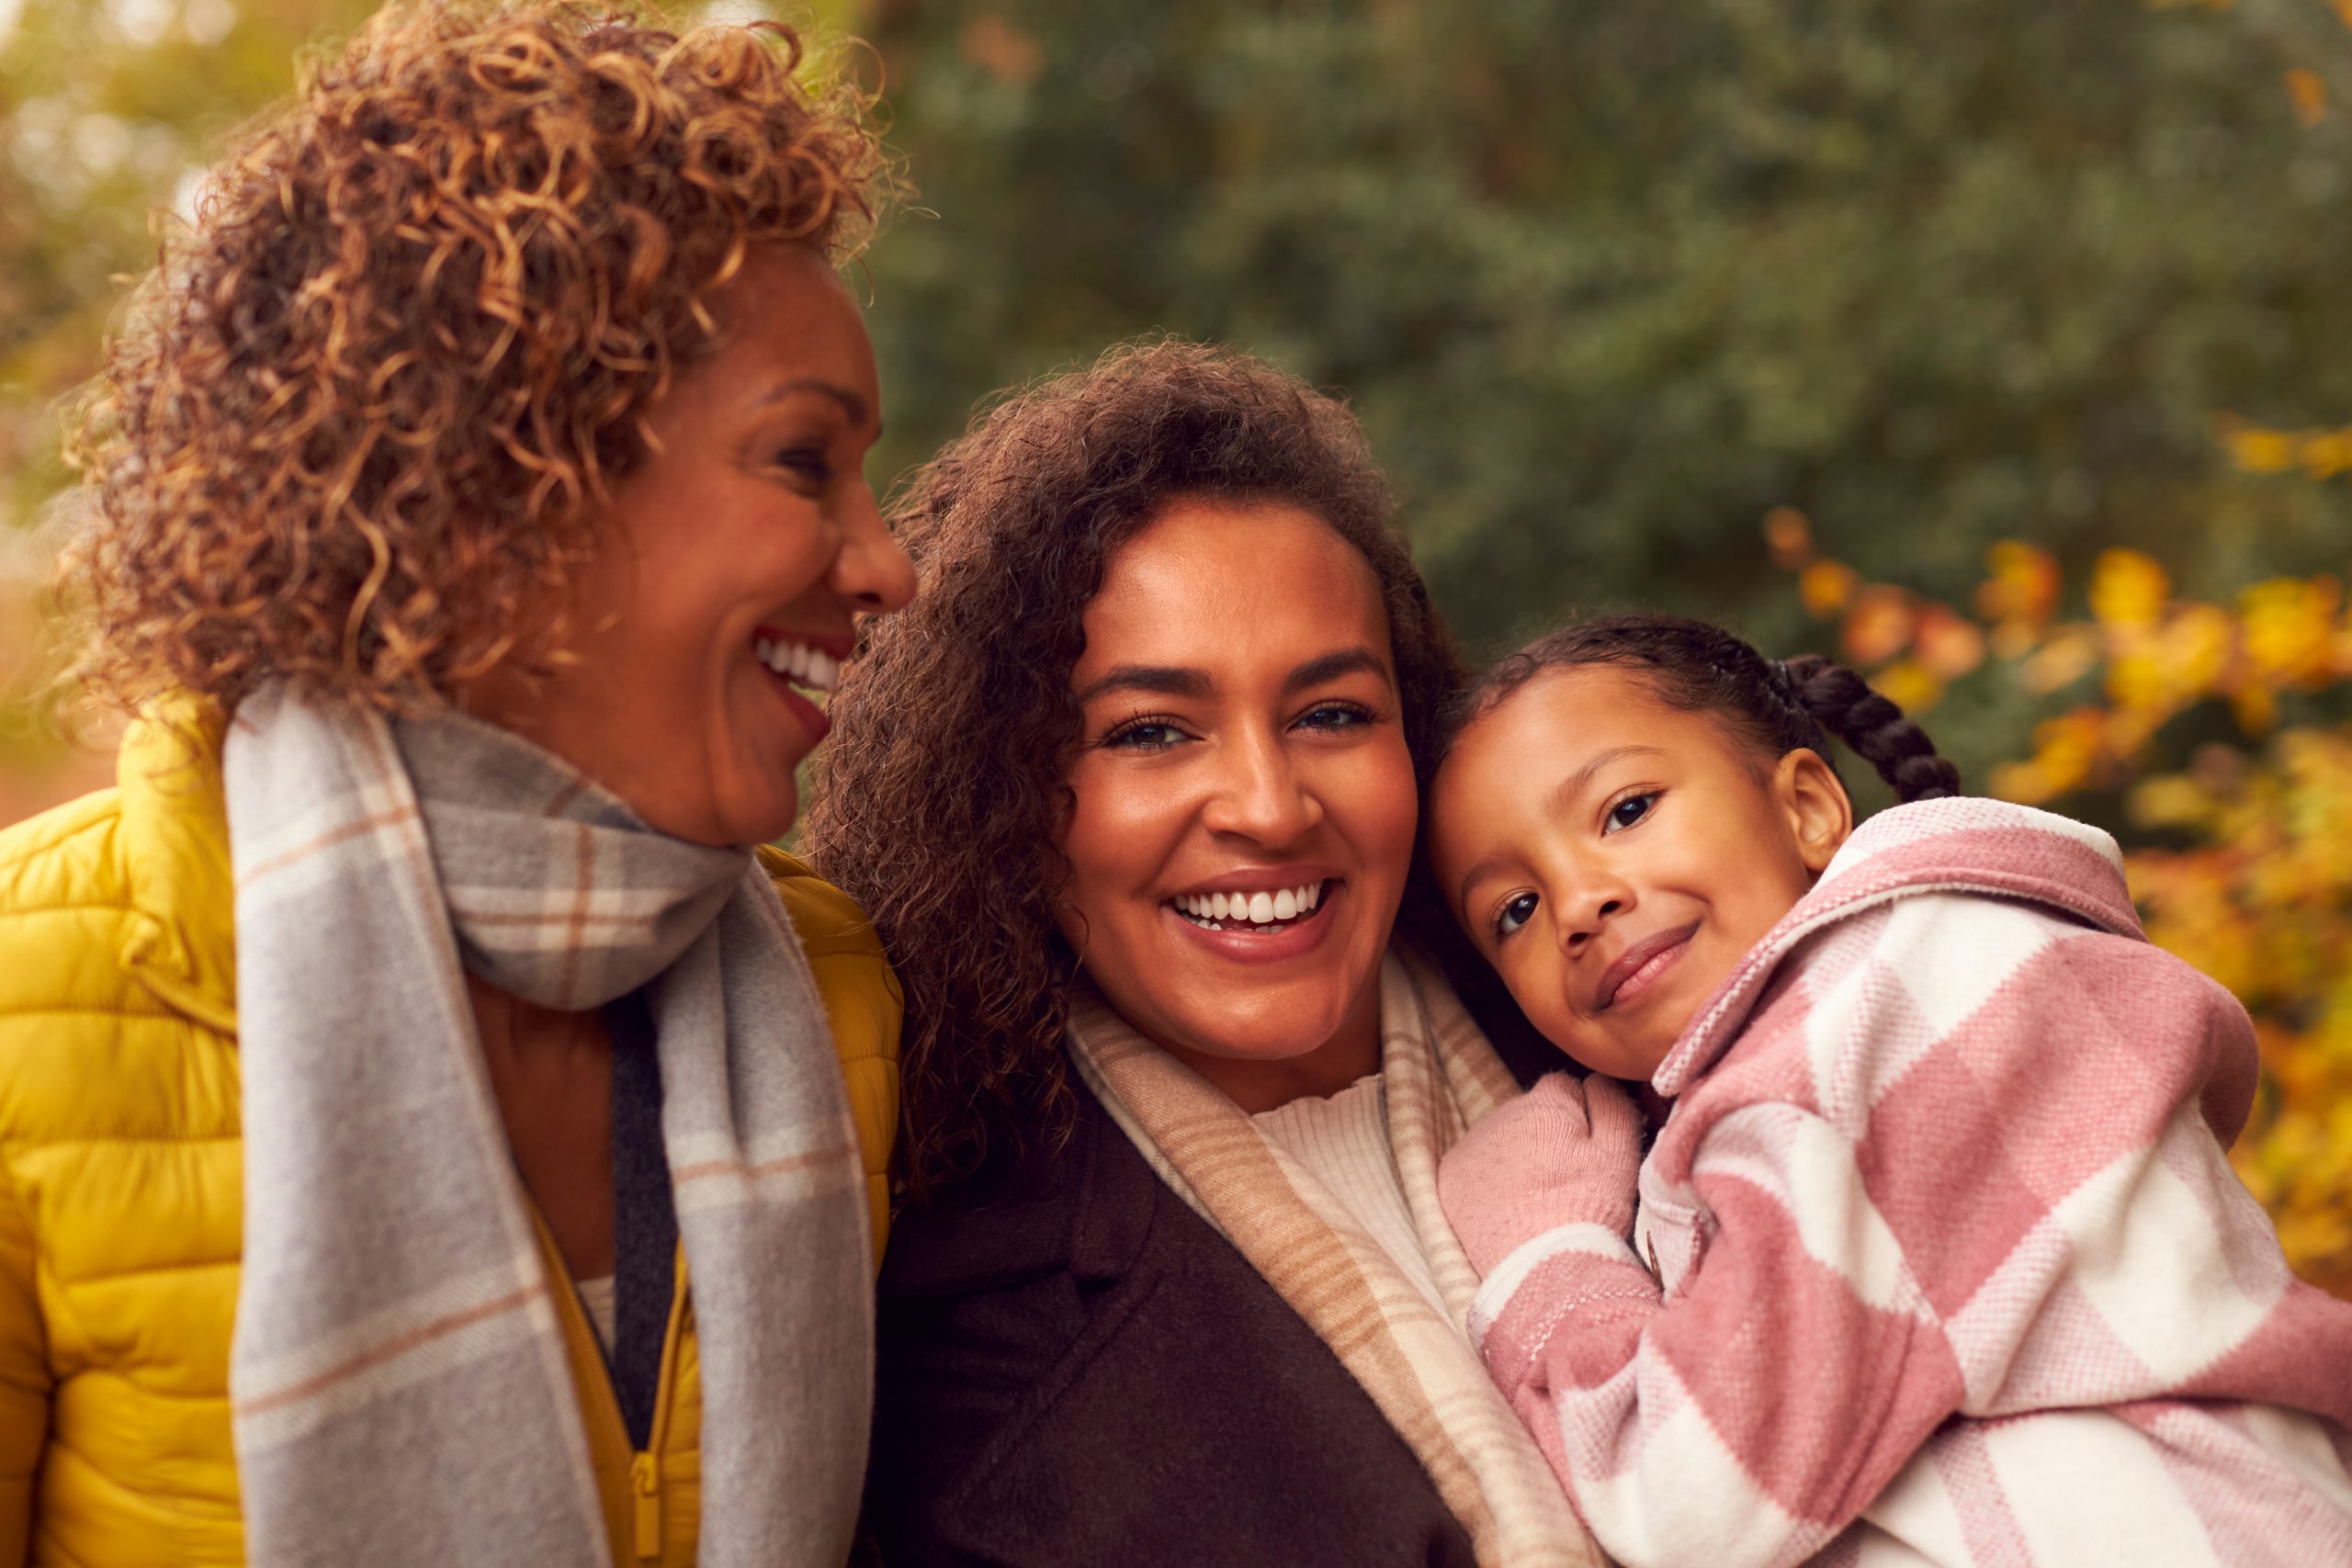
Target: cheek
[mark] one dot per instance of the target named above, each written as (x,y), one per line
(1113,835)
(1370,796)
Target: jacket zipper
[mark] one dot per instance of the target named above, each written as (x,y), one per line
(644,1467)
(645,1470)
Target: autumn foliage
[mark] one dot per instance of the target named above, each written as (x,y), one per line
(2240,850)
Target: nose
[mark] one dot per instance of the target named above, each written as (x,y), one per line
(872,573)
(1256,793)
(1593,897)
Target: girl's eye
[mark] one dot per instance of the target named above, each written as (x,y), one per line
(1515,914)
(1334,715)
(1144,735)
(1630,810)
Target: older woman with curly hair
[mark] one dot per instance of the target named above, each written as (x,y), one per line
(1131,793)
(475,501)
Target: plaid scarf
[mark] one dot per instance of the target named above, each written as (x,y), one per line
(398,1376)
(1417,1365)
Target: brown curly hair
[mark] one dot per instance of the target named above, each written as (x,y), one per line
(355,432)
(940,793)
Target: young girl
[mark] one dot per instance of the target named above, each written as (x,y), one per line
(1938,1257)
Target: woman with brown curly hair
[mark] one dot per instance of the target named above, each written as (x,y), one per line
(476,502)
(1131,793)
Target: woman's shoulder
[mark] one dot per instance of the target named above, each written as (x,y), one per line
(66,857)
(854,975)
(97,962)
(829,920)
(863,1008)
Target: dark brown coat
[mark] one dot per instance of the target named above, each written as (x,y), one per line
(1082,1371)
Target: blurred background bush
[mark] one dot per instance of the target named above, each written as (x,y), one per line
(1995,343)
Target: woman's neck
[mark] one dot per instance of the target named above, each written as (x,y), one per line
(1259,1084)
(551,1073)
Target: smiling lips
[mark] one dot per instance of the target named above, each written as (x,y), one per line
(1638,969)
(802,663)
(1263,910)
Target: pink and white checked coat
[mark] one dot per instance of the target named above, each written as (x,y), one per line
(1946,1262)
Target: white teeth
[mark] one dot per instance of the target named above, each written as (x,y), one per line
(1253,908)
(799,663)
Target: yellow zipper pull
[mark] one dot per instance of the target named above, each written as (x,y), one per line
(645,1478)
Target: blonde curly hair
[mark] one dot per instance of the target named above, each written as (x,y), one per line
(356,427)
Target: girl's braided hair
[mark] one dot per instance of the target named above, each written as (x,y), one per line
(1776,707)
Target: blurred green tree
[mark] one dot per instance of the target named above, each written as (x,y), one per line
(1606,282)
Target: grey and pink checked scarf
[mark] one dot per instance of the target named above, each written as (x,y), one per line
(398,1376)
(1417,1363)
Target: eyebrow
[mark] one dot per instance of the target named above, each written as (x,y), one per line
(1356,661)
(852,402)
(1177,681)
(1576,783)
(1562,794)
(1159,679)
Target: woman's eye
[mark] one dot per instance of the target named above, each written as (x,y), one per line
(1628,811)
(1515,914)
(1334,715)
(1145,734)
(806,463)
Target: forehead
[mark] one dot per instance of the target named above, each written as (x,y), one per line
(1208,583)
(1562,719)
(787,313)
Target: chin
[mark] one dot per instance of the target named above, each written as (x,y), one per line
(1275,1032)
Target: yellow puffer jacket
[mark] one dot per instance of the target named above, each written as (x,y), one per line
(121,1190)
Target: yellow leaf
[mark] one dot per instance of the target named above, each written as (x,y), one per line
(2012,640)
(1948,646)
(2020,782)
(2255,708)
(2308,95)
(2327,453)
(2127,589)
(2171,801)
(1789,537)
(2065,659)
(1909,685)
(2025,583)
(2256,450)
(1825,586)
(2291,634)
(1879,625)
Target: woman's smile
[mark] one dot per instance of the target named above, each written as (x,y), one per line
(1243,803)
(741,549)
(1260,917)
(793,659)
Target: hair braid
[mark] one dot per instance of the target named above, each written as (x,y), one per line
(1872,728)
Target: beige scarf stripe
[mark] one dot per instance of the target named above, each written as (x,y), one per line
(1419,1368)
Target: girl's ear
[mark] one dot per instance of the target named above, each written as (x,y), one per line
(1819,814)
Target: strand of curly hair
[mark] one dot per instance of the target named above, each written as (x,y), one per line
(943,788)
(354,430)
